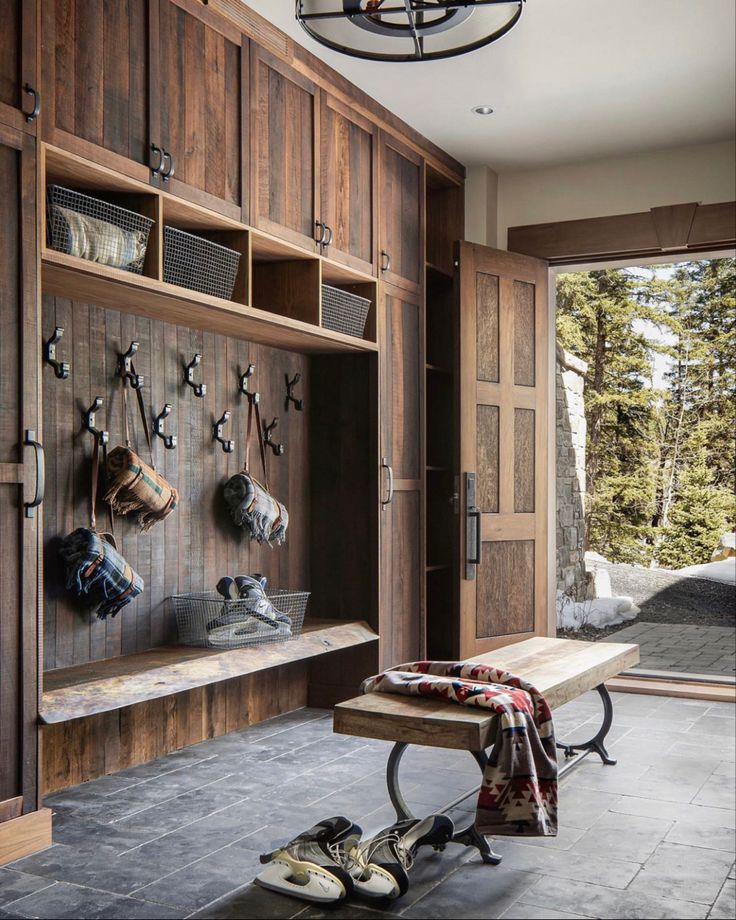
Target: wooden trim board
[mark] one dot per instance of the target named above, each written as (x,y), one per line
(27,834)
(681,689)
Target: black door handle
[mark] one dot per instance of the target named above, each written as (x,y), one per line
(156,170)
(476,559)
(390,495)
(33,115)
(172,167)
(385,261)
(30,441)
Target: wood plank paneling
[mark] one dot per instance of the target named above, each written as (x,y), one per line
(488,472)
(524,466)
(501,612)
(487,357)
(401,396)
(402,215)
(401,565)
(524,335)
(11,16)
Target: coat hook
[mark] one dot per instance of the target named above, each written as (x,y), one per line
(243,384)
(168,439)
(88,420)
(290,398)
(199,388)
(61,368)
(227,446)
(278,449)
(126,369)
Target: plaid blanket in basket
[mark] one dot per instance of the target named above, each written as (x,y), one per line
(135,486)
(518,796)
(96,569)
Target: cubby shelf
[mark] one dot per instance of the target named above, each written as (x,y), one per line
(110,684)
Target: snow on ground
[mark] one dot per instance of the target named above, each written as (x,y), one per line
(723,571)
(599,612)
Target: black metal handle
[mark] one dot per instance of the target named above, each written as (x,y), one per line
(172,166)
(390,495)
(33,115)
(328,241)
(319,237)
(385,261)
(476,516)
(156,170)
(30,441)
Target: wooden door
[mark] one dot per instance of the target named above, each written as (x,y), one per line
(202,106)
(19,476)
(18,77)
(504,388)
(401,242)
(96,79)
(402,451)
(348,177)
(285,134)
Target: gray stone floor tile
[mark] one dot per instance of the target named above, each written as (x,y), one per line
(252,903)
(581,807)
(725,906)
(683,872)
(474,891)
(521,911)
(62,901)
(598,868)
(704,815)
(626,837)
(15,885)
(695,834)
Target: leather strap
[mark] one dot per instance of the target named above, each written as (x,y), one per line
(93,490)
(144,420)
(254,409)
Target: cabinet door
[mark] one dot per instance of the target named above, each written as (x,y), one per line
(203,78)
(401,257)
(96,76)
(402,555)
(19,475)
(504,442)
(284,130)
(348,173)
(18,78)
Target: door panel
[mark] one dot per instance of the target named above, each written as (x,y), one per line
(19,397)
(401,570)
(402,215)
(18,20)
(284,130)
(204,82)
(503,446)
(348,169)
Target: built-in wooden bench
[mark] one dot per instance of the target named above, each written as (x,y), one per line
(561,669)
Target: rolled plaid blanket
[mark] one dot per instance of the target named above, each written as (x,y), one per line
(256,510)
(96,569)
(135,486)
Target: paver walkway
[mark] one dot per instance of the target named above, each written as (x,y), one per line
(180,837)
(682,648)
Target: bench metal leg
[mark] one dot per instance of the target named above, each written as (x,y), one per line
(575,752)
(468,836)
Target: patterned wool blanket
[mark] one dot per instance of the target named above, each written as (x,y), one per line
(135,486)
(253,508)
(518,795)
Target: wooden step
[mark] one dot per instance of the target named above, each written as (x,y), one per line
(102,686)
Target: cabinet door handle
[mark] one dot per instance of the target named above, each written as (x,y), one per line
(328,241)
(156,170)
(385,261)
(390,495)
(319,237)
(172,166)
(475,516)
(33,115)
(30,441)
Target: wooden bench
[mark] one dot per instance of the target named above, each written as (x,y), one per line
(561,669)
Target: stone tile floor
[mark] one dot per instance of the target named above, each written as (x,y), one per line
(682,647)
(180,837)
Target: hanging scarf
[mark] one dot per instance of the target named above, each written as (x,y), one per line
(518,796)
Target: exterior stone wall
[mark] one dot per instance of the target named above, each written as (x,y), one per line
(571,433)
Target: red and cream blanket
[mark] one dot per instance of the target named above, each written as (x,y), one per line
(518,796)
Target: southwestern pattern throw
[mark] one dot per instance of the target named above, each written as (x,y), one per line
(253,508)
(96,569)
(518,796)
(135,486)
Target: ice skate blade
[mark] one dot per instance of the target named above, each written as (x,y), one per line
(302,880)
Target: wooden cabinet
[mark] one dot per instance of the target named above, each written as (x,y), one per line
(401,240)
(284,131)
(18,77)
(348,180)
(96,80)
(402,452)
(20,476)
(201,106)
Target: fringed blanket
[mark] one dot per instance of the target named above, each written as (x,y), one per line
(518,796)
(135,486)
(253,508)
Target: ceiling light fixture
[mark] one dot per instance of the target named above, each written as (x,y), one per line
(482,109)
(407,30)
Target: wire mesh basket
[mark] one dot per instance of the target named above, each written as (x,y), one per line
(211,621)
(343,311)
(91,229)
(199,264)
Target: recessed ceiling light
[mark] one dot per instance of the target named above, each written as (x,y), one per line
(483,109)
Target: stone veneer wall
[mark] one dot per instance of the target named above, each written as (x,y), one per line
(571,432)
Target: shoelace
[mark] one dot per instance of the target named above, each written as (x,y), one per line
(367,849)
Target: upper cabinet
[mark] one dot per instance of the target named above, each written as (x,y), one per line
(284,131)
(202,107)
(19,89)
(348,166)
(401,241)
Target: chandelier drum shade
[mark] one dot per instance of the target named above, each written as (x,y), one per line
(407,30)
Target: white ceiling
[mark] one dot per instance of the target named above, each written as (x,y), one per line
(575,80)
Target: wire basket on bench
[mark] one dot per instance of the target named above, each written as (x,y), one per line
(211,621)
(343,311)
(91,229)
(199,264)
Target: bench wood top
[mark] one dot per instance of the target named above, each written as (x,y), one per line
(561,669)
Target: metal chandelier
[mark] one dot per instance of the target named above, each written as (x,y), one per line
(407,30)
